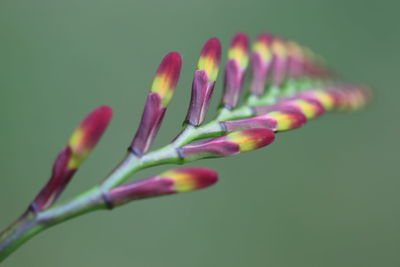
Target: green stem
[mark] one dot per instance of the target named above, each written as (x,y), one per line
(30,224)
(18,233)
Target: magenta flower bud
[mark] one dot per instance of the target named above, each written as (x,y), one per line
(204,82)
(261,62)
(160,95)
(322,96)
(230,144)
(81,143)
(235,70)
(276,121)
(262,121)
(170,182)
(308,107)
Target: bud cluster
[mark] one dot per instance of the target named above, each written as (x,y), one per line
(274,62)
(288,85)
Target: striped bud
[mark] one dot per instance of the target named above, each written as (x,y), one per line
(235,69)
(309,107)
(230,144)
(204,82)
(170,182)
(88,133)
(81,143)
(157,101)
(287,120)
(261,62)
(324,97)
(276,121)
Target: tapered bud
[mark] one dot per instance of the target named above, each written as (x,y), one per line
(276,121)
(157,101)
(81,143)
(167,183)
(307,107)
(230,144)
(279,51)
(204,82)
(323,97)
(235,69)
(251,139)
(310,108)
(261,62)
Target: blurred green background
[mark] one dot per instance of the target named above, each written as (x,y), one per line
(324,195)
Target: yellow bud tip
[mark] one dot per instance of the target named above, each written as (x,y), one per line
(210,59)
(167,77)
(189,179)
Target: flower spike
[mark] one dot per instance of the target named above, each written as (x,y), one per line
(204,82)
(235,69)
(81,143)
(230,144)
(301,88)
(157,101)
(261,62)
(170,182)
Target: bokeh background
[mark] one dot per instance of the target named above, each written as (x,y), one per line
(324,195)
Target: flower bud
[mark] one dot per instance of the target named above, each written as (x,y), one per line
(323,97)
(235,69)
(170,182)
(88,133)
(157,101)
(204,82)
(230,144)
(277,121)
(81,143)
(308,107)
